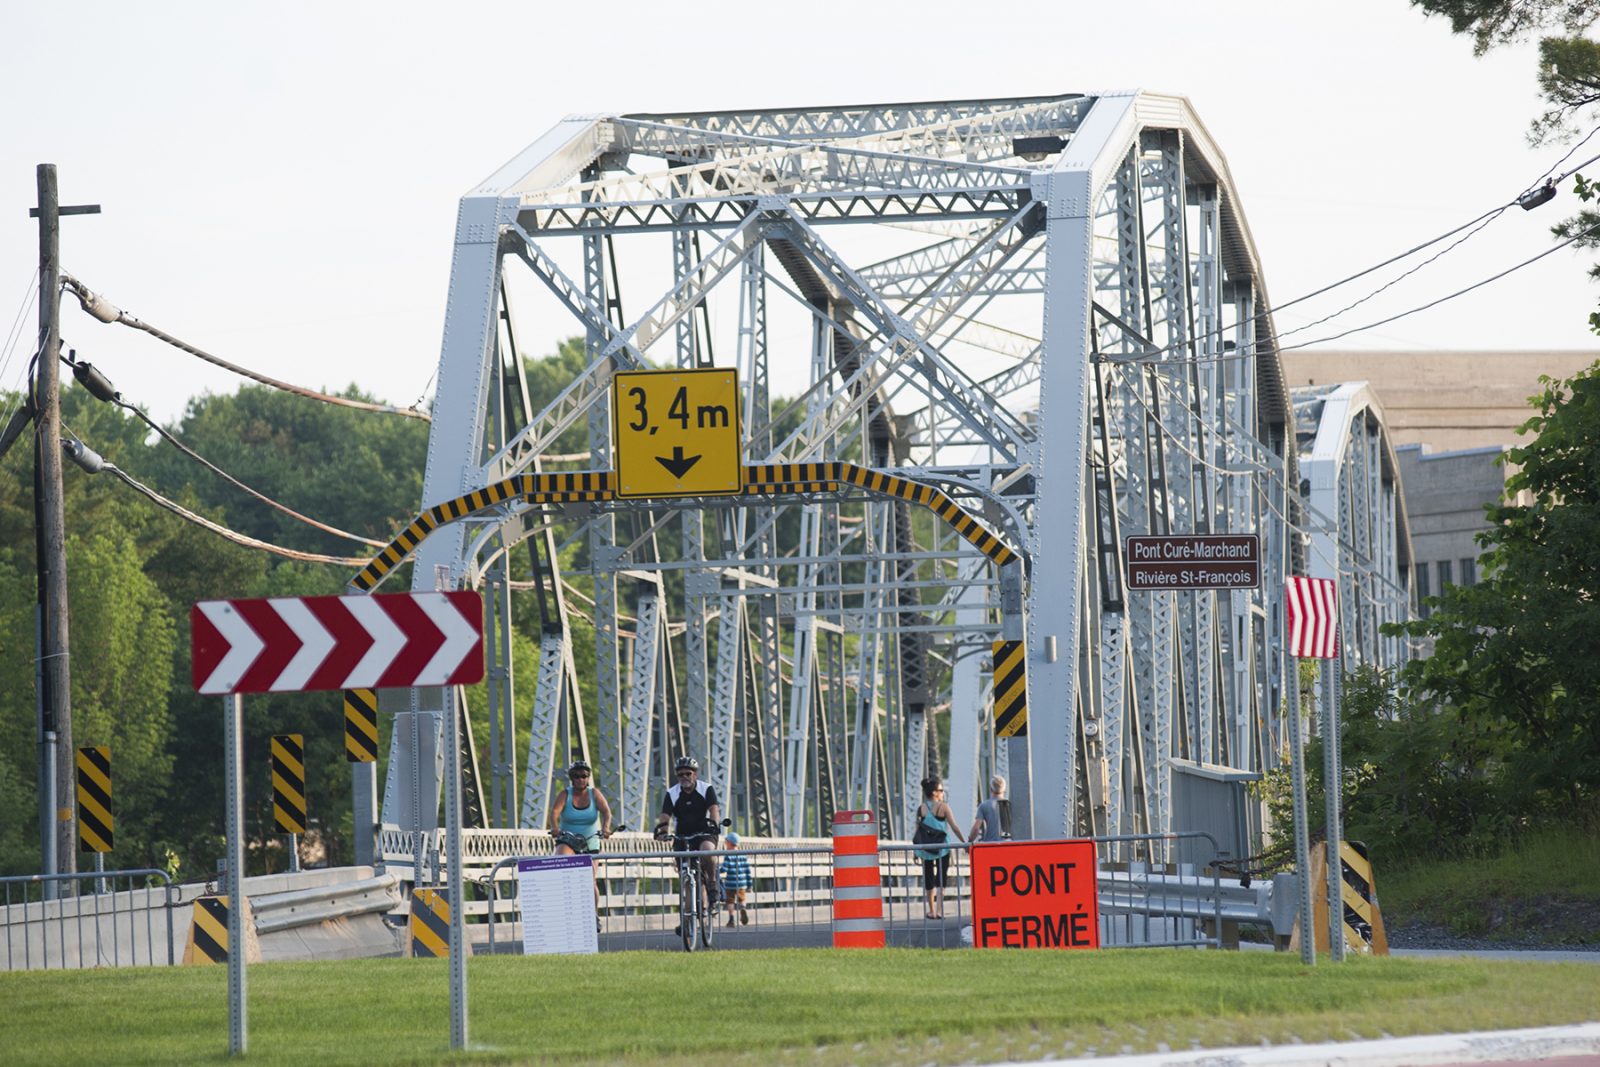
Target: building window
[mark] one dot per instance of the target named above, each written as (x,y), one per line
(1423,592)
(1446,575)
(1469,571)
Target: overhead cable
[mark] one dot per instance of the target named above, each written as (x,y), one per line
(1449,296)
(236,483)
(98,307)
(232,535)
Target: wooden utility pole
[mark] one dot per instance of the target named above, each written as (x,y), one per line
(56,755)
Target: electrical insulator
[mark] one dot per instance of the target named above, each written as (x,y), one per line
(97,384)
(98,306)
(84,456)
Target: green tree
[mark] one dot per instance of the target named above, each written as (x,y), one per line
(1568,75)
(1514,654)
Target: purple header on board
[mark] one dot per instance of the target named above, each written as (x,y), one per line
(554,863)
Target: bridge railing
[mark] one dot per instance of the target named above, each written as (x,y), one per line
(790,901)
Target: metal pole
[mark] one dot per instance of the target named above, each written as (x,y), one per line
(452,839)
(1302,820)
(50,520)
(1331,780)
(294,853)
(233,771)
(100,868)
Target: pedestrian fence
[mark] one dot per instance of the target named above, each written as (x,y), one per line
(92,919)
(1142,904)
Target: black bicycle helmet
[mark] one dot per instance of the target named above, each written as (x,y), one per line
(688,763)
(579,765)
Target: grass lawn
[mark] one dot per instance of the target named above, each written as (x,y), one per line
(1545,886)
(809,1007)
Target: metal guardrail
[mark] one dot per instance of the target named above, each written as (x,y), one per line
(94,929)
(341,900)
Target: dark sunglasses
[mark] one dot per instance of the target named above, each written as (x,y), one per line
(580,774)
(685,774)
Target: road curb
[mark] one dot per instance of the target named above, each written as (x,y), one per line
(1546,1042)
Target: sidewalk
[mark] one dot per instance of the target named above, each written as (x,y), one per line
(1565,1045)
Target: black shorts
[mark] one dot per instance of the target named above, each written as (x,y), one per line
(683,844)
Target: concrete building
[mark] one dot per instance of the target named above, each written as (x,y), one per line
(1445,493)
(1444,401)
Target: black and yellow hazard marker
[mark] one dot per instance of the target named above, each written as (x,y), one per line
(1010,689)
(361,725)
(570,487)
(289,783)
(1363,921)
(430,923)
(94,799)
(208,933)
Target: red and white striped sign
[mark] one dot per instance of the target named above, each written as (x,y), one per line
(300,644)
(1313,617)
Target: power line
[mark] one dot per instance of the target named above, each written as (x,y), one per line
(231,480)
(101,309)
(231,535)
(1449,296)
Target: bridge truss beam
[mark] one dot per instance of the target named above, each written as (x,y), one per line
(1047,313)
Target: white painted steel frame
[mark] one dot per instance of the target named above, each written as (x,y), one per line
(968,363)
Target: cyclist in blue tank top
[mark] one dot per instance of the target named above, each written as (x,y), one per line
(581,815)
(580,811)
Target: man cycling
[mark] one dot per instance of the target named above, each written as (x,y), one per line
(693,804)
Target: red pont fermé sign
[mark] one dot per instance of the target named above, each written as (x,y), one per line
(1035,894)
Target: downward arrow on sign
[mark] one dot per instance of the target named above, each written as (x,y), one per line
(678,466)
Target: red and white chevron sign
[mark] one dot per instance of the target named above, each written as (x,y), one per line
(1313,617)
(300,644)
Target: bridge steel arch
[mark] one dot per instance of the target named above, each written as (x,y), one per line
(1358,530)
(1050,308)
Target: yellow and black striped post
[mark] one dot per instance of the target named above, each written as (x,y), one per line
(1010,689)
(430,923)
(208,932)
(1362,924)
(94,799)
(289,788)
(361,725)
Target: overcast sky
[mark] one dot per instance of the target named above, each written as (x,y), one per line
(279,182)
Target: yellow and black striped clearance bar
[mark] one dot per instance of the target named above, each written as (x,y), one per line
(577,486)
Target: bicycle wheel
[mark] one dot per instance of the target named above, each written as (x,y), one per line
(687,891)
(708,922)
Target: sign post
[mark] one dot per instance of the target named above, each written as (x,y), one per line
(233,828)
(306,644)
(1314,634)
(1035,894)
(676,432)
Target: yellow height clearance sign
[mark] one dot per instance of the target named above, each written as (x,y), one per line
(676,433)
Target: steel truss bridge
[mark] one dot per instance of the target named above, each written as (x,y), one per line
(1047,312)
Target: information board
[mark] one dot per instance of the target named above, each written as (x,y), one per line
(1193,561)
(1035,894)
(557,898)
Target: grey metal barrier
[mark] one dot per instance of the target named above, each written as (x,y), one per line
(114,924)
(1143,904)
(788,905)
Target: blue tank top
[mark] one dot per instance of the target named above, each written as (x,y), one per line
(583,821)
(931,820)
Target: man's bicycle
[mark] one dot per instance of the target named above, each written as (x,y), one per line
(696,913)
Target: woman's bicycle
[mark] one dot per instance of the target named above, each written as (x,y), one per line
(696,913)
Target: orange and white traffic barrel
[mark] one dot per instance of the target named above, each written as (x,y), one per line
(857,888)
